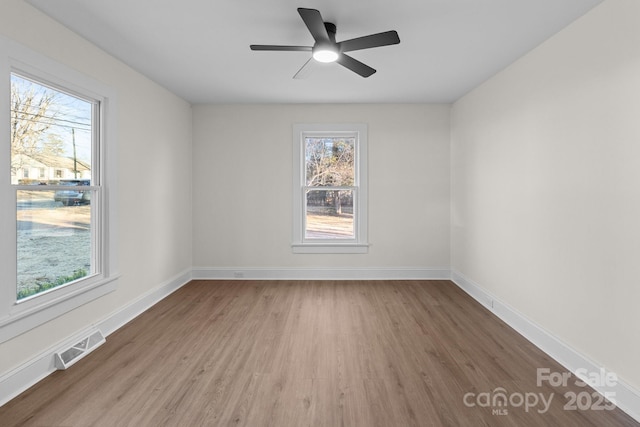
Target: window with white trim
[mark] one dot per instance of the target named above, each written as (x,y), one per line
(57,219)
(58,224)
(330,188)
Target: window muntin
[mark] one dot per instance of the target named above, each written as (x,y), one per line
(329,188)
(57,217)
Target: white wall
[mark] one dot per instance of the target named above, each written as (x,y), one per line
(154,174)
(546,186)
(544,178)
(242,182)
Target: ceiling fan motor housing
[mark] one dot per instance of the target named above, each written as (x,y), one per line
(331,31)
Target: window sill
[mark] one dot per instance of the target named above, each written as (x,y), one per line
(24,320)
(330,248)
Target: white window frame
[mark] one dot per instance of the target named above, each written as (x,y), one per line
(359,244)
(17,317)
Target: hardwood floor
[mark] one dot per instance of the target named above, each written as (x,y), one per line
(309,353)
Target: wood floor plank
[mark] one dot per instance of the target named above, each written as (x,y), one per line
(307,353)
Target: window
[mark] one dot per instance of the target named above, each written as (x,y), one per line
(56,241)
(329,188)
(55,164)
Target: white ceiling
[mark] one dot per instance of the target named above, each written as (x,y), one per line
(199,49)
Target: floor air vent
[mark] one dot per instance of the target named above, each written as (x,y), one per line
(71,355)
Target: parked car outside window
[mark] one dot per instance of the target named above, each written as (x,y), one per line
(73,197)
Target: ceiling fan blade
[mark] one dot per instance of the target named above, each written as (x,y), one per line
(315,24)
(374,40)
(306,69)
(280,48)
(355,65)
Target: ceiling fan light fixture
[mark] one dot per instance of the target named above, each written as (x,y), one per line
(325,54)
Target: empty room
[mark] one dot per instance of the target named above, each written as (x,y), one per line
(337,213)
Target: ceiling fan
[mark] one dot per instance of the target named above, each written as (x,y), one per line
(326,49)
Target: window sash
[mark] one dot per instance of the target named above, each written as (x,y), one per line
(334,240)
(95,235)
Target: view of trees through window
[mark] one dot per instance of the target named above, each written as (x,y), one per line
(51,154)
(330,186)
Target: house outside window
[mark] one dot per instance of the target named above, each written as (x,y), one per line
(330,188)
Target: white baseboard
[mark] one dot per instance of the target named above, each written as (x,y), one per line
(626,397)
(266,273)
(20,379)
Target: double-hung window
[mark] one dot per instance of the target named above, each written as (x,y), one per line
(330,188)
(58,240)
(57,219)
